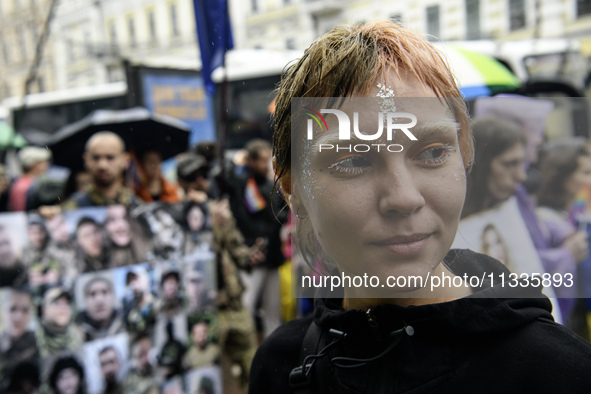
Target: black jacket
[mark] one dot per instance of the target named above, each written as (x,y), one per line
(266,223)
(472,345)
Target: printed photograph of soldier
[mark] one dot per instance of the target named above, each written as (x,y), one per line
(170,341)
(199,279)
(203,349)
(127,241)
(17,338)
(57,331)
(91,251)
(12,240)
(196,223)
(173,386)
(24,378)
(170,293)
(98,303)
(139,301)
(105,364)
(66,376)
(205,380)
(168,236)
(61,246)
(42,267)
(141,377)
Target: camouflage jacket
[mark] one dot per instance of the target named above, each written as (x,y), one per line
(92,198)
(231,254)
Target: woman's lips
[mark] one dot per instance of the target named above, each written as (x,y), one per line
(405,244)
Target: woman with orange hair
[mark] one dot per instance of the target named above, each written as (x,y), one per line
(396,309)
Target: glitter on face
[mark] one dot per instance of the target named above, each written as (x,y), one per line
(387,104)
(386,93)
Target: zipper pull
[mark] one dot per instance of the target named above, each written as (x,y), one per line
(374,326)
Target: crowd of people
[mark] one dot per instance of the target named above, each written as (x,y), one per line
(121,283)
(144,282)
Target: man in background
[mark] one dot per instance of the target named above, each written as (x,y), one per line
(106,160)
(259,216)
(236,330)
(35,162)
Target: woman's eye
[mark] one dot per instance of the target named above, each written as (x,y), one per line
(351,164)
(435,153)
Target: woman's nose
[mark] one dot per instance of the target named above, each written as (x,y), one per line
(400,194)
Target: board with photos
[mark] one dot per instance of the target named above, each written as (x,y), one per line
(107,299)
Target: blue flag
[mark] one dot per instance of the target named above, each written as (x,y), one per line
(215,36)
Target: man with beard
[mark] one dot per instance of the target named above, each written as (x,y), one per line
(139,308)
(56,333)
(100,318)
(259,216)
(110,364)
(141,378)
(106,160)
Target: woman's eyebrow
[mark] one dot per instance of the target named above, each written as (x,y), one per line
(427,129)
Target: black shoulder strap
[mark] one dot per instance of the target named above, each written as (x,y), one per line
(300,377)
(311,342)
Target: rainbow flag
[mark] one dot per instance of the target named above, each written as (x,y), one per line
(255,202)
(580,209)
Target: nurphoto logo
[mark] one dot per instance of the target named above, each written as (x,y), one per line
(390,125)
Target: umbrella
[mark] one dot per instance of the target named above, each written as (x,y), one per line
(9,139)
(479,74)
(139,128)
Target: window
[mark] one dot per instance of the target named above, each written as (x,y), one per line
(583,8)
(70,51)
(152,26)
(516,14)
(397,18)
(131,31)
(472,19)
(290,43)
(112,34)
(433,28)
(174,23)
(87,44)
(40,84)
(5,53)
(22,43)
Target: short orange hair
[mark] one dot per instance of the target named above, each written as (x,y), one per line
(348,60)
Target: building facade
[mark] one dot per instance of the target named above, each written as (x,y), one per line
(293,24)
(90,39)
(21,26)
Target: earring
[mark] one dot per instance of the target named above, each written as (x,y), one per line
(301,216)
